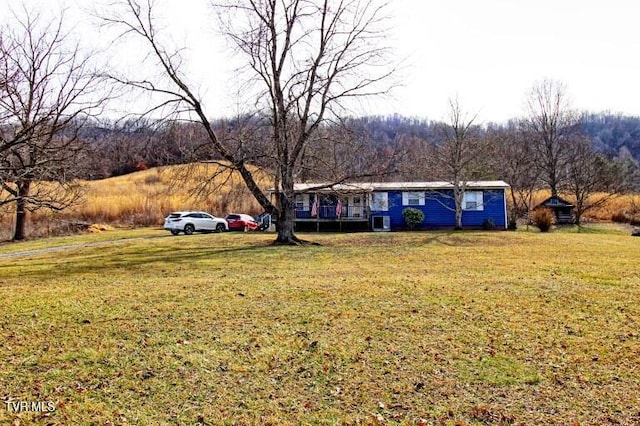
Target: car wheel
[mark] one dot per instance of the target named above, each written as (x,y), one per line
(220,227)
(175,231)
(188,229)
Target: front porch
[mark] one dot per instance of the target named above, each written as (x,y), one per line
(331,212)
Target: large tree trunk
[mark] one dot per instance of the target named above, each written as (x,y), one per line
(286,221)
(286,211)
(458,194)
(513,220)
(458,226)
(578,211)
(21,210)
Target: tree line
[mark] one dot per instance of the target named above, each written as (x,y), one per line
(114,148)
(306,60)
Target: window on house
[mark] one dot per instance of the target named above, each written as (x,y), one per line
(473,201)
(380,201)
(302,202)
(413,198)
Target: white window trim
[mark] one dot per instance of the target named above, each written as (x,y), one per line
(305,201)
(476,197)
(407,195)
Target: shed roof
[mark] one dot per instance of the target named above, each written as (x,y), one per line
(390,186)
(555,202)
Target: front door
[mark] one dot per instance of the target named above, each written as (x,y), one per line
(355,207)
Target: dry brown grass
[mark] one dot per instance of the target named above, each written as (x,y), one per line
(143,199)
(628,204)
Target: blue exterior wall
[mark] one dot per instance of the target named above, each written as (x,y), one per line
(439,216)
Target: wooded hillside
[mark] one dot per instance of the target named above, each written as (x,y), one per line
(116,149)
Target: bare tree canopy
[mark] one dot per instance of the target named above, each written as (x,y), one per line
(459,157)
(515,161)
(592,179)
(551,123)
(47,90)
(305,60)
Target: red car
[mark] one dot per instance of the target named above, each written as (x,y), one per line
(241,222)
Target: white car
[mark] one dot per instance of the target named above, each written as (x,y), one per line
(190,222)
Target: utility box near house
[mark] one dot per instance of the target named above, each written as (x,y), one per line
(381,223)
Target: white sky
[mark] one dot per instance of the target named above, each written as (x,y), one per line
(489,53)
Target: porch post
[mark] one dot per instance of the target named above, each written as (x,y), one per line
(318,214)
(340,216)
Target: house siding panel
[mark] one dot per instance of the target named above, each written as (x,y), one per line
(437,215)
(494,209)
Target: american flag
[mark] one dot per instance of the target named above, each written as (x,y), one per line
(314,207)
(339,208)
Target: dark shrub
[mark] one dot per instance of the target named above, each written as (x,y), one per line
(412,217)
(620,217)
(543,219)
(488,224)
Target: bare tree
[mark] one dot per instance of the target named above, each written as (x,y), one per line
(515,162)
(343,149)
(458,159)
(552,123)
(592,179)
(305,59)
(48,89)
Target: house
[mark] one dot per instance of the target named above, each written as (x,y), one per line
(562,209)
(379,206)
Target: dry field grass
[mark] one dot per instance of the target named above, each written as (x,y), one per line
(627,205)
(428,328)
(142,199)
(145,198)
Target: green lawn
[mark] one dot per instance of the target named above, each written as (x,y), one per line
(467,328)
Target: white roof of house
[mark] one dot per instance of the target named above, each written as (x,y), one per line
(389,186)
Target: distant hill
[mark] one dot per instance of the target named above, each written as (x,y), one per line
(121,149)
(614,134)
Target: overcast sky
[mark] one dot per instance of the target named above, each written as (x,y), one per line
(490,52)
(487,52)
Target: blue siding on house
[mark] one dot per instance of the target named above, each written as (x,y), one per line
(437,215)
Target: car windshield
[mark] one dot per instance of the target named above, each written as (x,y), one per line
(174,215)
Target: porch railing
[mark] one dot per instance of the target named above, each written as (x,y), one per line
(329,212)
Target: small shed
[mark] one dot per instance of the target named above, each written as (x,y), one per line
(562,209)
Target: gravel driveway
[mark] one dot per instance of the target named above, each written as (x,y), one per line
(74,246)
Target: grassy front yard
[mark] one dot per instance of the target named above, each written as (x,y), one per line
(466,328)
